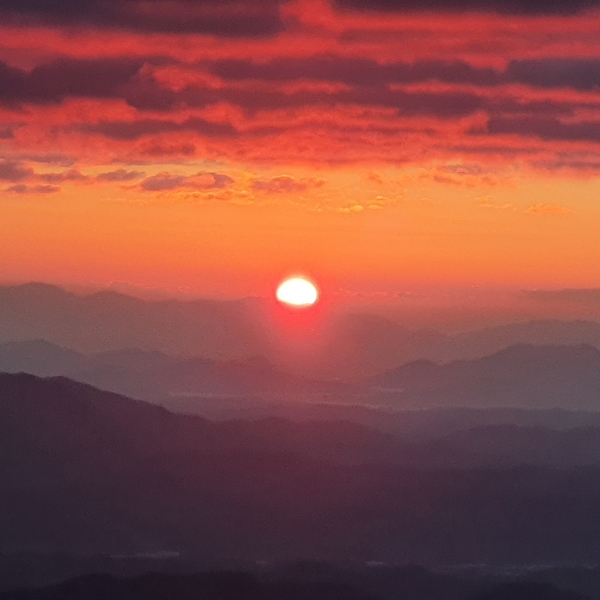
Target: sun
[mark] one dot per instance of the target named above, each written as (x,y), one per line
(297,291)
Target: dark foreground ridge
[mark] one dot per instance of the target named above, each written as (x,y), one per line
(211,586)
(407,584)
(90,472)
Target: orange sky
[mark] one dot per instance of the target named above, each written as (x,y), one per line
(214,147)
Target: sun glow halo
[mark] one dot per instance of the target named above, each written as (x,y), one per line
(297,291)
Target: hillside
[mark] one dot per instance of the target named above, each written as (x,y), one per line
(90,472)
(520,376)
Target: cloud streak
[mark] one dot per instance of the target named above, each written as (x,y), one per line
(580,74)
(14,171)
(163,182)
(285,184)
(60,79)
(22,188)
(120,176)
(515,7)
(228,18)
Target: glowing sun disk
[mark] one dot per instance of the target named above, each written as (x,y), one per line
(297,291)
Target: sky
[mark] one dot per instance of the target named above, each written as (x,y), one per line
(381,147)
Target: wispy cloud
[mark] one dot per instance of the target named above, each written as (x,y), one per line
(14,171)
(200,181)
(547,209)
(22,188)
(285,184)
(120,175)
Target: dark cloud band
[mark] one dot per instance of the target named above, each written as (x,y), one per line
(514,7)
(55,81)
(230,18)
(545,128)
(368,83)
(581,74)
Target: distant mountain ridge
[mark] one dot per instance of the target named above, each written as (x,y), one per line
(154,376)
(107,321)
(347,346)
(533,377)
(519,376)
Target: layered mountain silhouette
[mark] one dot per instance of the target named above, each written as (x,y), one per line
(483,451)
(519,376)
(107,321)
(525,376)
(85,471)
(348,346)
(152,375)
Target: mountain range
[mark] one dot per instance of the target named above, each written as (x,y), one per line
(335,345)
(541,377)
(88,472)
(344,438)
(519,376)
